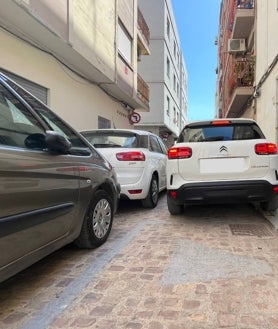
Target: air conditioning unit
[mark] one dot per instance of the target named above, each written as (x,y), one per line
(236,45)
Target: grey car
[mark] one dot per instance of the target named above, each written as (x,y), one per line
(55,188)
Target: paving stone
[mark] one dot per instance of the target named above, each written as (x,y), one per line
(156,271)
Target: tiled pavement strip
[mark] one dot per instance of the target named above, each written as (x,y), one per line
(156,271)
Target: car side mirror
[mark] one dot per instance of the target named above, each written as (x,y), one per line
(35,142)
(56,142)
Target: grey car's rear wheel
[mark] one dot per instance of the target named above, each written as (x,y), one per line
(152,197)
(98,221)
(173,208)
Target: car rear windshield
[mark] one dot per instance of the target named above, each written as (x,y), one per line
(113,139)
(208,132)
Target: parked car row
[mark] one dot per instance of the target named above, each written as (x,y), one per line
(59,186)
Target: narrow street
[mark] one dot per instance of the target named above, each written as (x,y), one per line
(212,267)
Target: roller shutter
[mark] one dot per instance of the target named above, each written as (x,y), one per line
(37,90)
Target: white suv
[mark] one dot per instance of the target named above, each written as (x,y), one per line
(222,161)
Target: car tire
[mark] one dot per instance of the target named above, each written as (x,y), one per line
(152,198)
(174,209)
(97,222)
(270,205)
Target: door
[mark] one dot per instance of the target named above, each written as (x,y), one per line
(38,190)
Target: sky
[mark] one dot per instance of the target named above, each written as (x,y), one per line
(197,23)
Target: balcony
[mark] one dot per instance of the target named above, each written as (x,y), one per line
(143,35)
(243,20)
(240,86)
(143,91)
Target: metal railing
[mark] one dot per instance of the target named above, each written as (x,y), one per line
(242,74)
(143,26)
(143,90)
(245,4)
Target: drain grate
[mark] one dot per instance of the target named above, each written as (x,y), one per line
(259,230)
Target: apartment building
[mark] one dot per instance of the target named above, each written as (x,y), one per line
(247,62)
(164,70)
(79,57)
(236,55)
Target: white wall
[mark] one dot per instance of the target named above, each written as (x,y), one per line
(266,50)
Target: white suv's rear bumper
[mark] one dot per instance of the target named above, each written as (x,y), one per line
(222,192)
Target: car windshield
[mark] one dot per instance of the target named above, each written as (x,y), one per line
(112,139)
(208,133)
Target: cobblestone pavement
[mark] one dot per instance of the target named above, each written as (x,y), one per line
(212,267)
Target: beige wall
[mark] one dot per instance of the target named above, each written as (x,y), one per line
(76,100)
(93,33)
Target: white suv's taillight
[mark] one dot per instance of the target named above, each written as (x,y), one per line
(131,156)
(182,152)
(265,148)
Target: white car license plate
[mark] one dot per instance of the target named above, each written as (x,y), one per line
(222,165)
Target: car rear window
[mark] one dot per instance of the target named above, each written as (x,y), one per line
(111,139)
(208,132)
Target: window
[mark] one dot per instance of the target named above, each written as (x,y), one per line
(168,106)
(168,67)
(168,28)
(175,49)
(16,122)
(154,145)
(108,139)
(21,128)
(103,123)
(175,82)
(124,44)
(236,131)
(178,89)
(162,145)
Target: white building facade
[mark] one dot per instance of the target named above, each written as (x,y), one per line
(165,72)
(79,57)
(266,86)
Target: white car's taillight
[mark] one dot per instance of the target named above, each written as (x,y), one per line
(266,148)
(131,156)
(182,152)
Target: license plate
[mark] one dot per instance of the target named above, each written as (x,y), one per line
(222,165)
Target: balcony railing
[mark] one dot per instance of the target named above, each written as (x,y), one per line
(240,86)
(242,74)
(244,71)
(143,90)
(143,27)
(245,4)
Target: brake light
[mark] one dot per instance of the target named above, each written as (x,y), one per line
(266,148)
(275,189)
(183,152)
(173,194)
(135,191)
(131,156)
(220,122)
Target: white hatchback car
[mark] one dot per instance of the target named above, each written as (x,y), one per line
(139,159)
(222,161)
